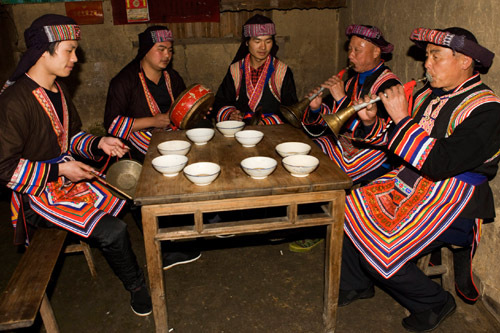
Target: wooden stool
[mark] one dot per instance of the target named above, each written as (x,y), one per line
(445,269)
(85,248)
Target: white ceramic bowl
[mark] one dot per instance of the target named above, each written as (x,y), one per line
(202,173)
(229,127)
(174,147)
(200,136)
(249,138)
(300,165)
(293,148)
(259,167)
(169,165)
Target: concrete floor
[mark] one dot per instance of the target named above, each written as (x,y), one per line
(243,284)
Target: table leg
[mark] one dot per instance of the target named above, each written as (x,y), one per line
(333,259)
(155,268)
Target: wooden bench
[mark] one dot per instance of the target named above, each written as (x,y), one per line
(25,294)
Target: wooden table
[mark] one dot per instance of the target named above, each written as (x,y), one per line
(234,190)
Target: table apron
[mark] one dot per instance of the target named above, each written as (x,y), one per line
(333,211)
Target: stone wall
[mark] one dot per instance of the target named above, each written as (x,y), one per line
(397,19)
(106,48)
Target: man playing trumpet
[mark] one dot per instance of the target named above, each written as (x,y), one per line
(366,47)
(361,162)
(450,144)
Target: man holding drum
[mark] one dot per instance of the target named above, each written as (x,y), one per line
(140,96)
(360,161)
(256,82)
(39,135)
(139,100)
(449,142)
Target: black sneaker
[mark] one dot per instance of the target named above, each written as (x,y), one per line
(348,296)
(140,301)
(171,259)
(428,320)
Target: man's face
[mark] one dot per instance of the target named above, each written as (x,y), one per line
(160,55)
(63,60)
(444,67)
(260,47)
(362,54)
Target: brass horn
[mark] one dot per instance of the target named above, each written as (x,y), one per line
(294,113)
(336,120)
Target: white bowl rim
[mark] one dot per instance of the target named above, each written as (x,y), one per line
(185,142)
(196,164)
(231,124)
(202,130)
(312,159)
(183,160)
(249,134)
(266,158)
(288,143)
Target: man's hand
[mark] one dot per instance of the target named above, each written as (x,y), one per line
(236,115)
(113,146)
(75,171)
(161,120)
(367,115)
(395,102)
(336,87)
(315,102)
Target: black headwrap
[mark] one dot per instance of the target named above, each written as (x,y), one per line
(457,39)
(42,32)
(150,37)
(255,20)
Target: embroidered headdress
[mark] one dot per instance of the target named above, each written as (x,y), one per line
(151,36)
(256,30)
(43,31)
(371,34)
(457,39)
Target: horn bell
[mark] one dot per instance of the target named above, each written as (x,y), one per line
(336,120)
(294,113)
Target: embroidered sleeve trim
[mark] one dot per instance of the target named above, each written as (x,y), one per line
(81,144)
(121,127)
(30,177)
(224,112)
(412,143)
(272,120)
(317,120)
(140,140)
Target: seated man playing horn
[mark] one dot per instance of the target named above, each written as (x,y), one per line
(360,161)
(257,83)
(371,76)
(450,147)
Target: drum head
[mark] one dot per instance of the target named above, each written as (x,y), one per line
(198,111)
(191,106)
(124,174)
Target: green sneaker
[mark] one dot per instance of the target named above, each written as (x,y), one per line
(304,245)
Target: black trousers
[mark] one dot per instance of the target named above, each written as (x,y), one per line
(409,285)
(111,237)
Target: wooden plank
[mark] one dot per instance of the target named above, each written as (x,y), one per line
(154,188)
(236,5)
(18,308)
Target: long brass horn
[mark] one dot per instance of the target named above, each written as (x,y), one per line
(294,113)
(336,120)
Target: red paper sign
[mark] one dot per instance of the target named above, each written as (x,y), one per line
(137,10)
(85,12)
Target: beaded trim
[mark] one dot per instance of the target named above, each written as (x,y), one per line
(57,33)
